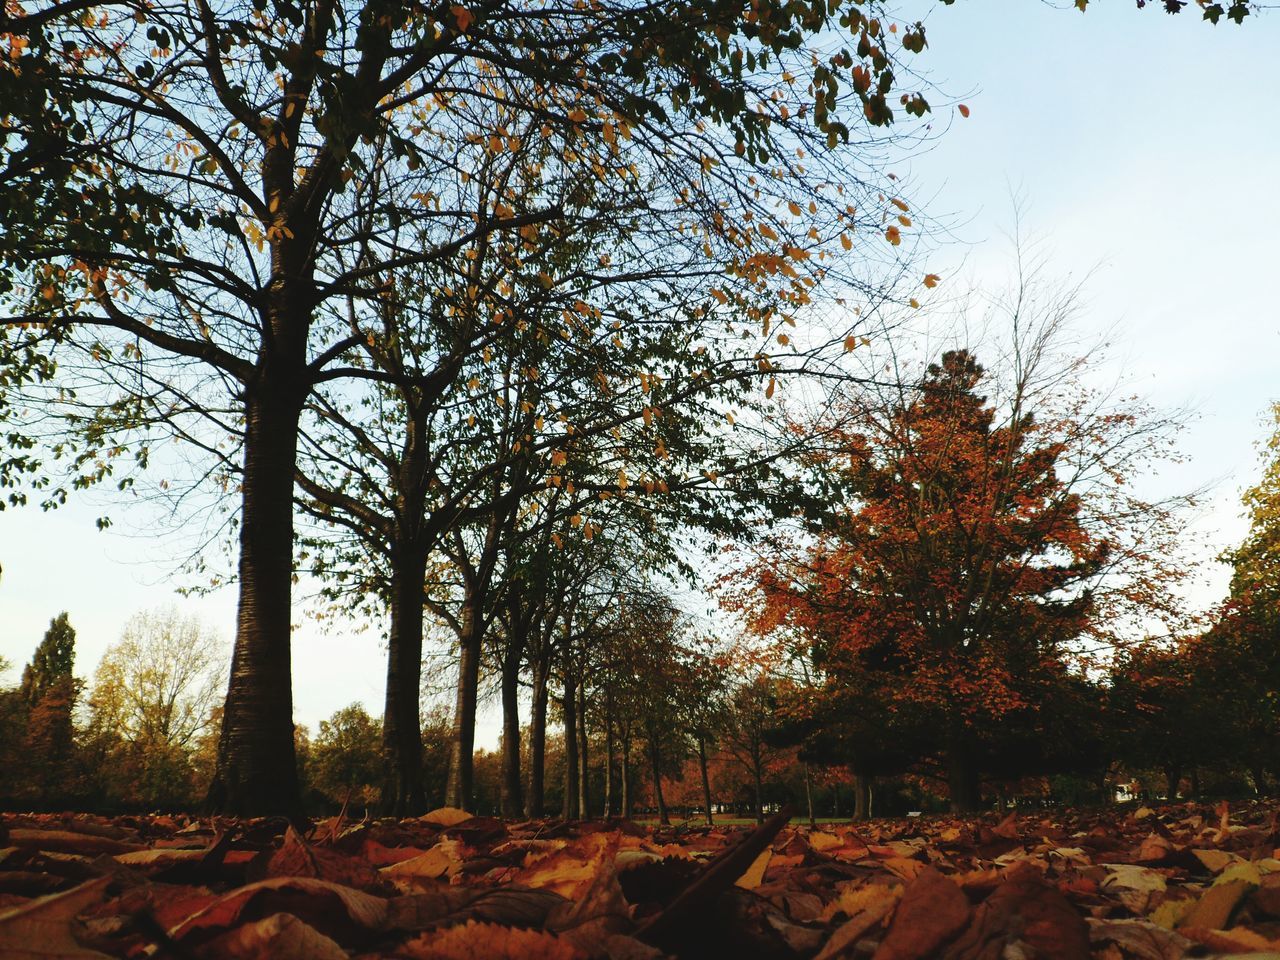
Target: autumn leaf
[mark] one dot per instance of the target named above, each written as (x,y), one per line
(931,280)
(893,235)
(487,941)
(44,928)
(964,111)
(280,936)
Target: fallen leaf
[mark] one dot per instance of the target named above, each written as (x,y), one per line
(933,910)
(43,929)
(487,941)
(755,873)
(280,936)
(1139,939)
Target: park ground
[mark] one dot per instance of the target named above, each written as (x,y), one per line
(1135,883)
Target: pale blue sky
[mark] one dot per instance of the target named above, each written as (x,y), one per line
(1143,145)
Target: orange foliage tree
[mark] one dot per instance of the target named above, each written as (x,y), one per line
(972,549)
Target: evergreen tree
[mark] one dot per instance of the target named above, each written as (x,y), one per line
(52,661)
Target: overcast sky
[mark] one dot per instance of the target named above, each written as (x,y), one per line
(1145,148)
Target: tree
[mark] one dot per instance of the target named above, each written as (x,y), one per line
(52,662)
(154,696)
(345,756)
(212,256)
(974,546)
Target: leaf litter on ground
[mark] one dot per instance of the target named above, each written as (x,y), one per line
(1148,884)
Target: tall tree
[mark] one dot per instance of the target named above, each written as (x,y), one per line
(52,661)
(199,253)
(976,546)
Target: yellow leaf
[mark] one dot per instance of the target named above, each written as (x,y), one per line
(446,816)
(755,873)
(915,304)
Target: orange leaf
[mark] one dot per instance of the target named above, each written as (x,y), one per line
(964,111)
(931,280)
(489,941)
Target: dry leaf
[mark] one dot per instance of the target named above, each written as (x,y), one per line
(488,941)
(280,936)
(43,929)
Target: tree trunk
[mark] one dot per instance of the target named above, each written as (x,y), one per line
(569,809)
(757,778)
(625,760)
(861,797)
(584,765)
(808,796)
(512,801)
(835,799)
(1259,780)
(962,780)
(655,760)
(256,771)
(402,792)
(535,802)
(608,754)
(1172,778)
(706,780)
(462,754)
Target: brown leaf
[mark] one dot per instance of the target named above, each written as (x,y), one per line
(1140,939)
(450,906)
(337,911)
(488,941)
(1024,909)
(445,816)
(64,841)
(43,929)
(933,910)
(280,936)
(296,858)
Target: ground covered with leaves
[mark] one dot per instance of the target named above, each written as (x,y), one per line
(1178,881)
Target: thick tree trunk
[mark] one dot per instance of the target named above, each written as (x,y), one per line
(584,764)
(625,762)
(462,756)
(569,808)
(655,762)
(512,801)
(706,779)
(256,769)
(1172,778)
(402,792)
(535,801)
(861,797)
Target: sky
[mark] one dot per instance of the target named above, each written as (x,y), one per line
(1143,149)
